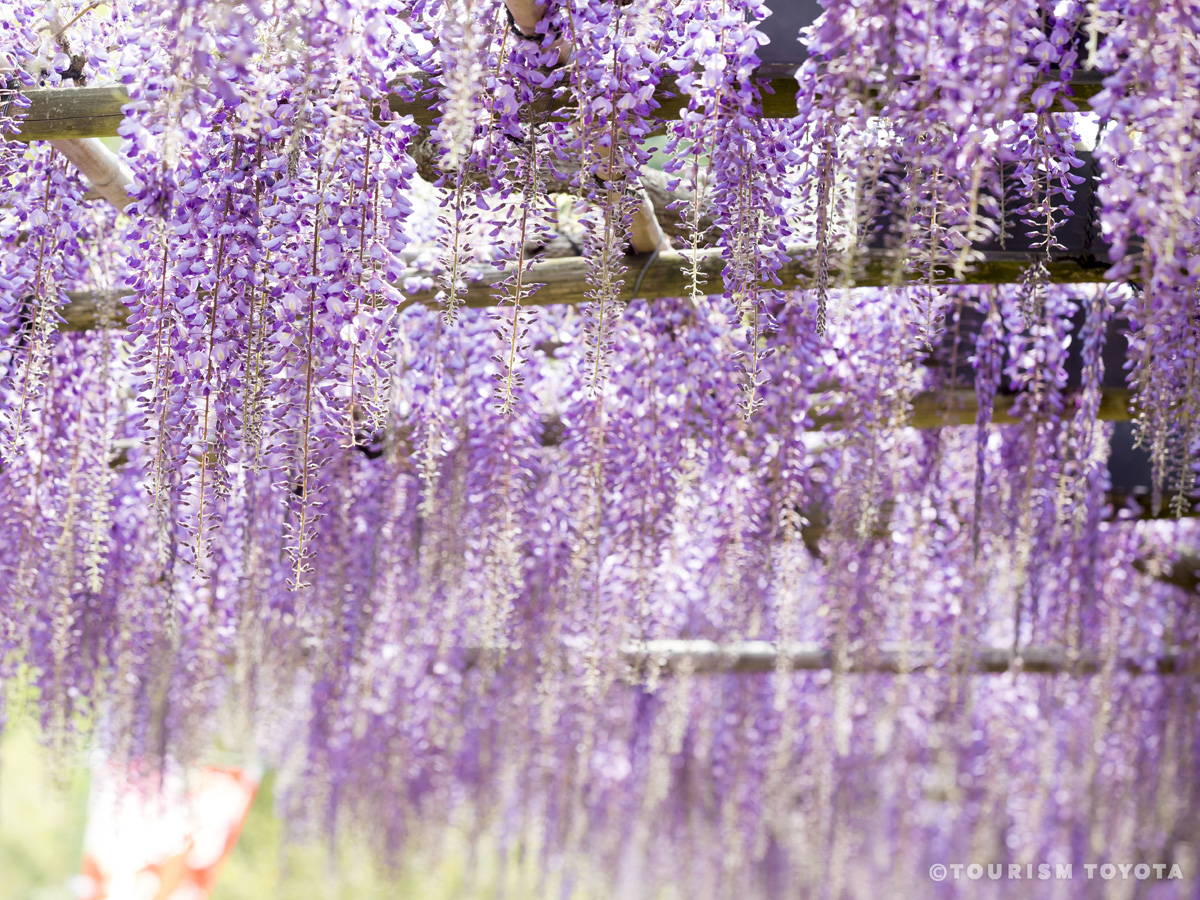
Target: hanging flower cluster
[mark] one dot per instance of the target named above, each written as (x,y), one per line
(1151,213)
(667,592)
(264,346)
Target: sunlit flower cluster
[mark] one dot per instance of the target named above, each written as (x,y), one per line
(436,563)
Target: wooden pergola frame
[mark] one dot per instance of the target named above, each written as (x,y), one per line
(88,113)
(81,114)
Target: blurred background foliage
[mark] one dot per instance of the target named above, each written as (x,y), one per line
(43,809)
(43,813)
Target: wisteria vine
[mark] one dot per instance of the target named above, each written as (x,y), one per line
(554,575)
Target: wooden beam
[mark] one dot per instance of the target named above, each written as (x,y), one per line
(701,657)
(708,657)
(83,112)
(949,408)
(779,92)
(96,111)
(1184,572)
(87,309)
(107,173)
(564,281)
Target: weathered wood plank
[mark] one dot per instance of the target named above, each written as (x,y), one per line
(56,113)
(702,657)
(96,111)
(935,409)
(564,281)
(88,309)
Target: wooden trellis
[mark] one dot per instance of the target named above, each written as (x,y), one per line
(97,112)
(90,112)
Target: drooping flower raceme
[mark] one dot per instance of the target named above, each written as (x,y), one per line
(664,591)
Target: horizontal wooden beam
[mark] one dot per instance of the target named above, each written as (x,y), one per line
(96,111)
(1183,572)
(779,92)
(564,281)
(86,310)
(939,409)
(86,112)
(701,657)
(708,657)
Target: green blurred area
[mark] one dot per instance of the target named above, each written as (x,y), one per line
(43,813)
(43,808)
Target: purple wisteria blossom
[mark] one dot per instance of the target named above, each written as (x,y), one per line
(796,578)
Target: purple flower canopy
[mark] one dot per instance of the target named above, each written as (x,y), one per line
(668,591)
